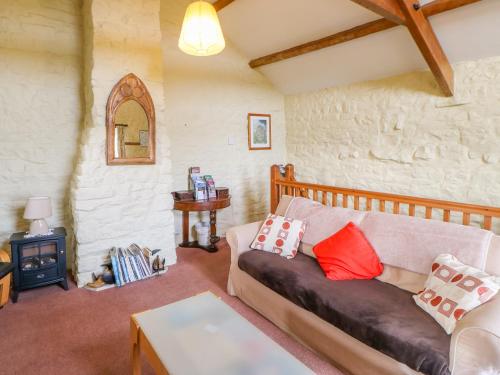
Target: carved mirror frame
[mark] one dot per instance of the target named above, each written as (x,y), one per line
(130,87)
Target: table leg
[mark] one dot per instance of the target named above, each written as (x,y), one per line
(213,230)
(185,227)
(136,350)
(14,295)
(64,284)
(15,283)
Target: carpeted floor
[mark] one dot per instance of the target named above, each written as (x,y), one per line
(52,331)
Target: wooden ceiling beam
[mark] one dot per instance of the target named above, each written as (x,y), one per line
(331,40)
(389,9)
(423,34)
(440,6)
(220,4)
(430,9)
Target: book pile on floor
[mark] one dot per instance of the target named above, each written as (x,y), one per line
(131,264)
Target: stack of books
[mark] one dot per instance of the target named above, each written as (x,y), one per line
(131,264)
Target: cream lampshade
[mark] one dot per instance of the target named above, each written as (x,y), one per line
(37,209)
(201,34)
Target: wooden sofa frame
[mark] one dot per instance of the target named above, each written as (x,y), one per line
(283,182)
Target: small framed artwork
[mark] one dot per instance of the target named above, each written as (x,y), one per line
(259,131)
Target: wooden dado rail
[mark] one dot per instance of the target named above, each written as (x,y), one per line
(285,184)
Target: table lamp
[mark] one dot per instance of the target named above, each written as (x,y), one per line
(37,209)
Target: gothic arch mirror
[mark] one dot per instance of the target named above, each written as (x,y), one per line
(130,123)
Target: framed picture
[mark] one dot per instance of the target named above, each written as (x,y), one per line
(259,131)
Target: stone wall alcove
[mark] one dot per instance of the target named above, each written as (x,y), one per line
(118,205)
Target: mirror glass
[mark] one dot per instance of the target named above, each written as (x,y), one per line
(131,131)
(130,123)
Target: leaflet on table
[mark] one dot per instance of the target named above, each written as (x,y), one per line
(203,186)
(210,186)
(200,189)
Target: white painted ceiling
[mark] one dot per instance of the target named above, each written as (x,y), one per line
(260,27)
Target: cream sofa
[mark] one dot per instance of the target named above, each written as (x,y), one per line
(474,345)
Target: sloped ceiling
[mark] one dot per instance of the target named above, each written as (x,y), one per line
(260,27)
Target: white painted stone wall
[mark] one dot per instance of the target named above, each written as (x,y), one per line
(207,101)
(399,135)
(118,205)
(396,135)
(40,107)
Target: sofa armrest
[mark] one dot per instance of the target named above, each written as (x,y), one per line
(240,238)
(475,342)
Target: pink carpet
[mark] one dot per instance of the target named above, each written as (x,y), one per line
(52,331)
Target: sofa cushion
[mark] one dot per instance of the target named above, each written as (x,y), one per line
(280,235)
(404,279)
(347,255)
(378,314)
(453,289)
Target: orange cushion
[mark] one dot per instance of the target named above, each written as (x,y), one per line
(347,255)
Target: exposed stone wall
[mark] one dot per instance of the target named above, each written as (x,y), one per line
(207,101)
(400,135)
(118,205)
(40,107)
(397,135)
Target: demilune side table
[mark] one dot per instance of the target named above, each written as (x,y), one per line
(211,205)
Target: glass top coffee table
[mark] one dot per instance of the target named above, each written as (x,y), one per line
(203,335)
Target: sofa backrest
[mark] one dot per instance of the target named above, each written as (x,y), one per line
(413,243)
(406,245)
(493,260)
(322,221)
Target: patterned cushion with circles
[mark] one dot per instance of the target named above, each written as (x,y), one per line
(280,235)
(453,289)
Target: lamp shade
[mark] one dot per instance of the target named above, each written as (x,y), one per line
(38,208)
(201,34)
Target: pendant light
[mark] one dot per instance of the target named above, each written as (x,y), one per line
(201,34)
